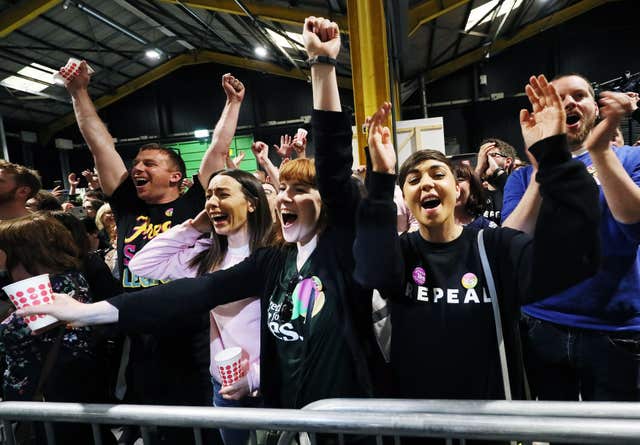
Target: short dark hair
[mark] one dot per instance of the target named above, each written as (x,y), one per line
(24,176)
(418,158)
(94,203)
(504,147)
(95,194)
(45,200)
(172,154)
(569,74)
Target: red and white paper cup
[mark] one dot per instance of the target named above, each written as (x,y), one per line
(301,134)
(32,291)
(69,71)
(228,363)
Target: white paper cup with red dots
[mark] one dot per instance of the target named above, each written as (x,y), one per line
(32,291)
(300,135)
(69,71)
(228,363)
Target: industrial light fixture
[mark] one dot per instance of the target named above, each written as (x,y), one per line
(281,40)
(260,51)
(482,12)
(201,134)
(153,54)
(30,79)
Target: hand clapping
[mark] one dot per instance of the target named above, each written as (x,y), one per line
(548,117)
(383,155)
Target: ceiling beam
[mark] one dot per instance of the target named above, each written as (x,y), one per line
(528,31)
(292,16)
(205,56)
(119,93)
(168,67)
(22,13)
(430,10)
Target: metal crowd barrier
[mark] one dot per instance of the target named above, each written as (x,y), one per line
(502,421)
(619,410)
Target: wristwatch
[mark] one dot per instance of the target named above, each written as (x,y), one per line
(325,60)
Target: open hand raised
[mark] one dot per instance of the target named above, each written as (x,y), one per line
(548,117)
(383,155)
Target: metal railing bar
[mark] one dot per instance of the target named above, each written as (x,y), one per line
(286,437)
(146,435)
(253,437)
(48,430)
(97,435)
(396,440)
(483,427)
(8,432)
(197,435)
(340,439)
(619,410)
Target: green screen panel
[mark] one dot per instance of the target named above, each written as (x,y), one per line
(193,151)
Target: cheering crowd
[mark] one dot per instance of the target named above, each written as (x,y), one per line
(501,282)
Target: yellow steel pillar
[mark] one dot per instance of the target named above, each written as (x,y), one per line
(369,61)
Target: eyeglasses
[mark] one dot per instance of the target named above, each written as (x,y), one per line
(496,154)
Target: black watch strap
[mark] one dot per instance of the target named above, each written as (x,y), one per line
(325,60)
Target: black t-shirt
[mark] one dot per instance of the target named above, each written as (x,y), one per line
(139,222)
(333,362)
(443,332)
(180,352)
(445,324)
(314,359)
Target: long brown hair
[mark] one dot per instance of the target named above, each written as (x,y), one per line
(39,243)
(259,221)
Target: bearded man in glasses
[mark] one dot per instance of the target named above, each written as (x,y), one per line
(496,160)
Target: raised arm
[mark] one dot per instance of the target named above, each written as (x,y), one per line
(535,125)
(331,128)
(261,152)
(376,222)
(620,191)
(566,236)
(215,157)
(73,184)
(111,169)
(322,39)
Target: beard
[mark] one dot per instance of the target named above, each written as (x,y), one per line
(576,140)
(8,196)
